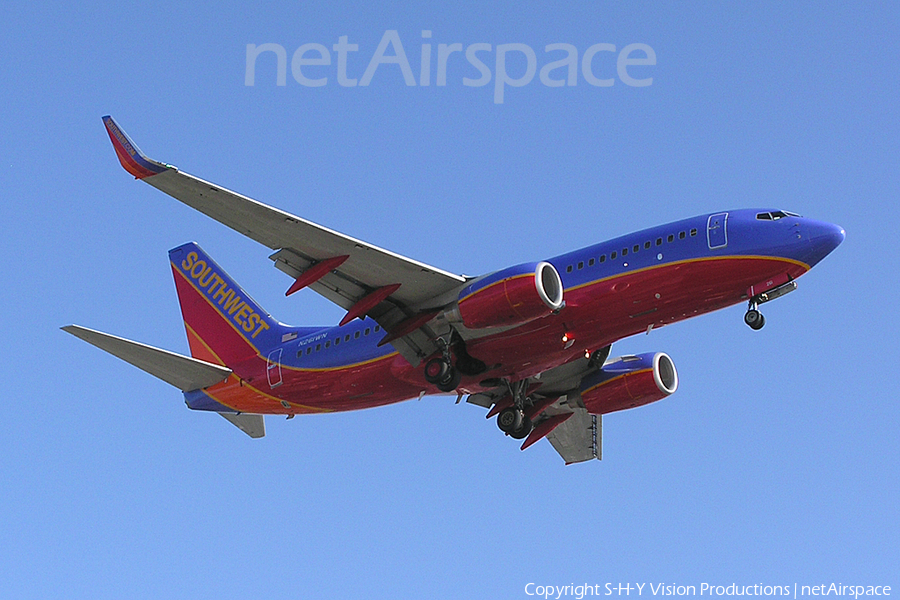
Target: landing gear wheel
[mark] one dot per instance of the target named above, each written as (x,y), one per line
(450,381)
(436,370)
(598,357)
(510,419)
(514,423)
(754,319)
(440,373)
(523,430)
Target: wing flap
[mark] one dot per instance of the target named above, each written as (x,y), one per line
(579,438)
(252,425)
(185,373)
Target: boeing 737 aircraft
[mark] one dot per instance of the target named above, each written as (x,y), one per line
(529,343)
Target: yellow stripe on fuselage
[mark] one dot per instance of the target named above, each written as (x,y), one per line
(803,265)
(244,383)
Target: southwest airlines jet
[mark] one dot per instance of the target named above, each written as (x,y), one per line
(529,343)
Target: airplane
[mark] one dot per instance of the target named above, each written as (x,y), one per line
(529,343)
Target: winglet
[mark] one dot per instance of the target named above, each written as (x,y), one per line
(131,157)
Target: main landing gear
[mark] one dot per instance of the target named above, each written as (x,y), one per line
(512,420)
(443,375)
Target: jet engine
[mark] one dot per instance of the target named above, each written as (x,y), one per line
(629,381)
(510,297)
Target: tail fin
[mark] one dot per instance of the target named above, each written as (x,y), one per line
(224,325)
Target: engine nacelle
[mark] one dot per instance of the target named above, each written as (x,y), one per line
(629,381)
(510,297)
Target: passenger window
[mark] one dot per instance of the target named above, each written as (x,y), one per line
(591,263)
(581,265)
(308,349)
(624,251)
(636,248)
(368,331)
(693,232)
(318,347)
(659,241)
(377,328)
(671,238)
(347,338)
(646,245)
(328,344)
(681,235)
(569,269)
(356,335)
(612,256)
(337,340)
(603,258)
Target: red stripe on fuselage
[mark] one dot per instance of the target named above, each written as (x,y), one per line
(604,311)
(597,314)
(356,387)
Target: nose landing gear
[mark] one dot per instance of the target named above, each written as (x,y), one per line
(753,318)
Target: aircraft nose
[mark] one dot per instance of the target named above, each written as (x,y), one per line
(827,236)
(823,238)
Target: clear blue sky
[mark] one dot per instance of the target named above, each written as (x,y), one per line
(775,462)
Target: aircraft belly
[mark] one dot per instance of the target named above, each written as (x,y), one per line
(602,312)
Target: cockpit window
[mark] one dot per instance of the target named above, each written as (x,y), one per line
(774,216)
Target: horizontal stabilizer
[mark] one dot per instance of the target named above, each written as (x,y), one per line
(185,373)
(252,425)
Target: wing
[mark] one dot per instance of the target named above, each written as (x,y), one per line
(398,292)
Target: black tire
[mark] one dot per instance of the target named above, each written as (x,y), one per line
(598,357)
(450,381)
(436,370)
(523,430)
(509,420)
(761,324)
(754,319)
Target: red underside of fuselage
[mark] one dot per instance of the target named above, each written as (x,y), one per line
(595,315)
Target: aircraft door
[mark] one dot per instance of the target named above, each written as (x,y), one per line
(717,230)
(273,368)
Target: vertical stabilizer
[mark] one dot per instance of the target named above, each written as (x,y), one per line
(224,324)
